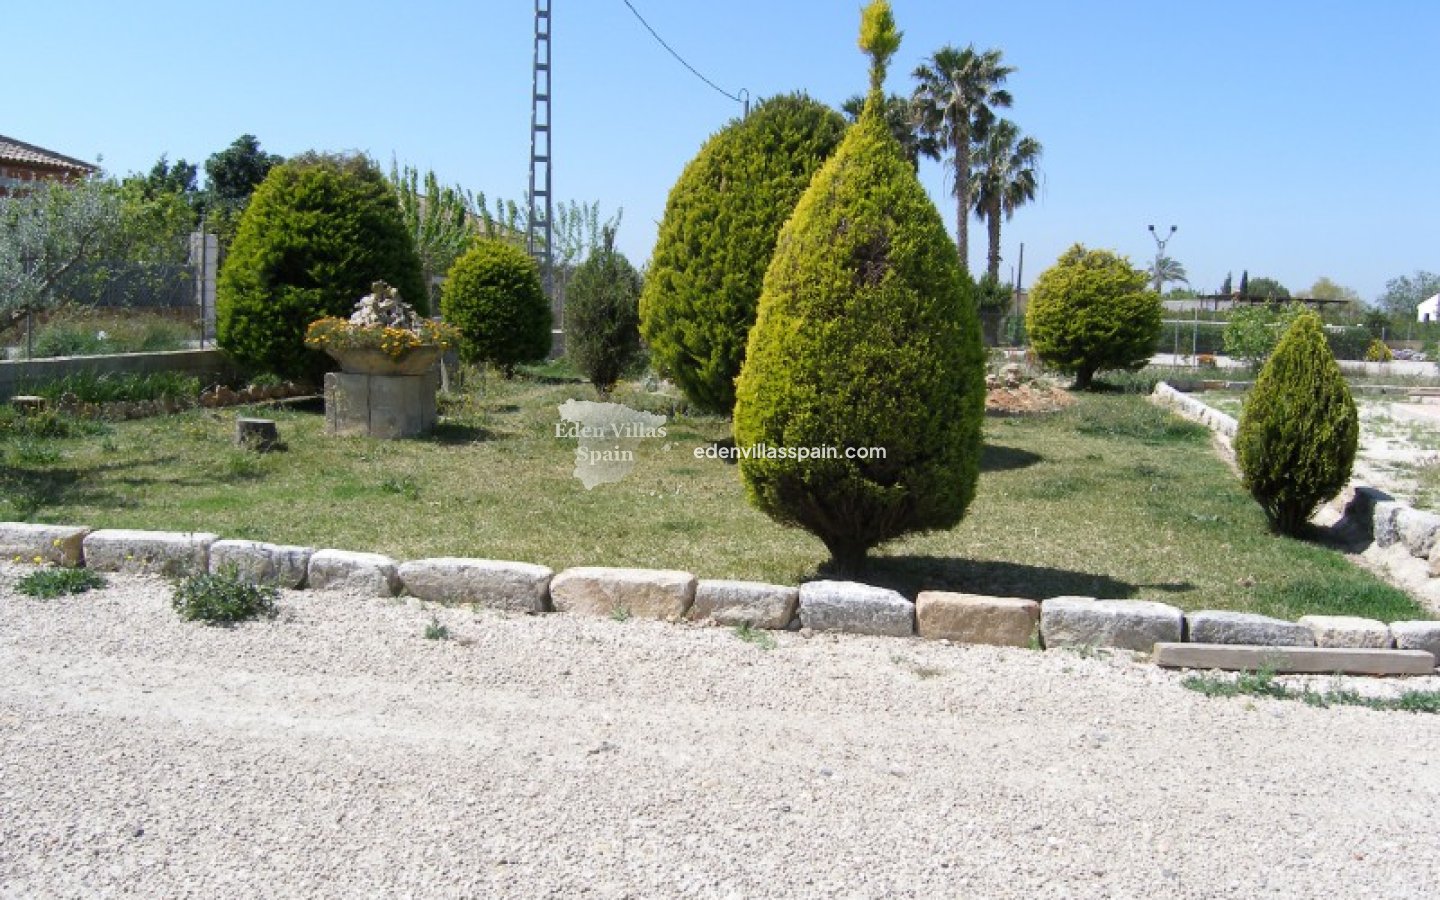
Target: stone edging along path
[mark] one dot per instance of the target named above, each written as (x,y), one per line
(1207,639)
(1402,540)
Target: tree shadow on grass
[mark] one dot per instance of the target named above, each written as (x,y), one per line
(911,574)
(997,458)
(28,491)
(452,433)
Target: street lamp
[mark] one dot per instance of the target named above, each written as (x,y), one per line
(1160,253)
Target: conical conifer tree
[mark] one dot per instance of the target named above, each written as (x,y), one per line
(1299,430)
(866,341)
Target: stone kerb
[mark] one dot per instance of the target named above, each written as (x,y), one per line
(1225,627)
(61,545)
(261,563)
(744,603)
(1348,631)
(855,608)
(602,591)
(148,552)
(976,619)
(512,586)
(344,570)
(1125,624)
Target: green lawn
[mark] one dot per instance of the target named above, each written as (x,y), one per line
(1111,498)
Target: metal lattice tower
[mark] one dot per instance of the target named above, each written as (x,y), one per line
(539,233)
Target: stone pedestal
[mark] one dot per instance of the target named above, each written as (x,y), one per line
(380,406)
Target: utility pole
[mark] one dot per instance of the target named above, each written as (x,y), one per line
(1160,254)
(539,233)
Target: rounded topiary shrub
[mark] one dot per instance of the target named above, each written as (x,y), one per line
(493,296)
(602,318)
(1090,312)
(715,241)
(1299,429)
(316,234)
(866,341)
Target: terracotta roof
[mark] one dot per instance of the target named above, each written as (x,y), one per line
(15,151)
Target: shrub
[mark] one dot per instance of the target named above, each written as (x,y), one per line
(1378,351)
(222,598)
(602,315)
(494,298)
(1299,429)
(1091,312)
(716,239)
(316,234)
(49,583)
(866,338)
(1252,332)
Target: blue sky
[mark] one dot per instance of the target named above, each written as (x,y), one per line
(1292,139)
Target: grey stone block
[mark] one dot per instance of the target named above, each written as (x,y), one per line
(855,608)
(380,406)
(1125,624)
(1225,627)
(261,563)
(514,586)
(1384,523)
(1417,530)
(1348,631)
(149,552)
(745,603)
(62,545)
(1417,636)
(367,573)
(601,591)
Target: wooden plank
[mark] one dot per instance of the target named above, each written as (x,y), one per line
(1296,660)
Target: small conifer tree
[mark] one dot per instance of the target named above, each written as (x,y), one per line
(602,320)
(1299,429)
(866,340)
(494,297)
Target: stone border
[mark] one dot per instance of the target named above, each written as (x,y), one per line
(1082,623)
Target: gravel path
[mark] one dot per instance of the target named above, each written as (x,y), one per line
(334,752)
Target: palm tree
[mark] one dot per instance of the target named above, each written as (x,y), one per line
(1005,180)
(900,117)
(1166,268)
(953,105)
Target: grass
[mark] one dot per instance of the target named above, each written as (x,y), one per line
(1110,498)
(89,332)
(105,387)
(436,630)
(50,583)
(757,636)
(1262,683)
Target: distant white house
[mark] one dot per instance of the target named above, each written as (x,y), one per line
(1428,310)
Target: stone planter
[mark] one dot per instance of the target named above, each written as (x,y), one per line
(368,361)
(380,396)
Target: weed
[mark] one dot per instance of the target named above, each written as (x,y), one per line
(401,485)
(48,583)
(1261,683)
(620,613)
(223,598)
(757,636)
(436,630)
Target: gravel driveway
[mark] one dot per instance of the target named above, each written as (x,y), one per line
(335,752)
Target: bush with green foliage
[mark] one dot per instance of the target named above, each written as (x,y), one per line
(1251,332)
(223,598)
(721,222)
(1378,351)
(1299,429)
(316,234)
(50,583)
(1090,312)
(602,315)
(494,297)
(866,338)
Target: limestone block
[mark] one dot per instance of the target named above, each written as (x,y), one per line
(157,552)
(62,545)
(514,586)
(603,591)
(745,603)
(976,619)
(1225,627)
(1348,631)
(855,608)
(367,573)
(1125,624)
(260,563)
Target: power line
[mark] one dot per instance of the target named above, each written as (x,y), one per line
(693,70)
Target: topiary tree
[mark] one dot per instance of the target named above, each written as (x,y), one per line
(1090,312)
(717,236)
(493,296)
(866,338)
(602,318)
(316,234)
(1299,429)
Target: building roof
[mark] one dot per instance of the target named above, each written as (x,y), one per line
(13,151)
